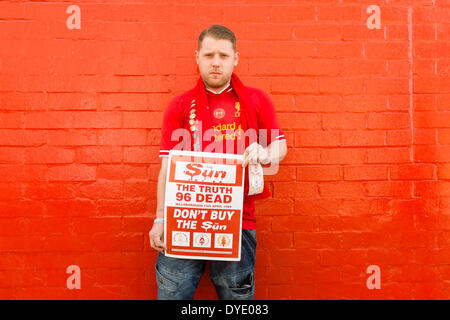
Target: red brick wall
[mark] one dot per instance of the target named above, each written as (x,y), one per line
(365,181)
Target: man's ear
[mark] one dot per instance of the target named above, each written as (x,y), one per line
(196,55)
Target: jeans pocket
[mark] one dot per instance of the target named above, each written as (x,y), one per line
(166,286)
(243,286)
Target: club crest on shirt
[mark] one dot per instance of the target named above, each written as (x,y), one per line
(237,114)
(219,113)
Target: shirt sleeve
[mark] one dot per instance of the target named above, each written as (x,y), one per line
(270,129)
(172,129)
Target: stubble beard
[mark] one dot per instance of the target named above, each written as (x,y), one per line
(216,83)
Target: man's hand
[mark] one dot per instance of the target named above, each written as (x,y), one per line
(255,153)
(157,236)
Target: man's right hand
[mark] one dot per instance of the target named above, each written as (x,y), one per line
(157,236)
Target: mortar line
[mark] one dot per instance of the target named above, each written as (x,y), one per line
(411,81)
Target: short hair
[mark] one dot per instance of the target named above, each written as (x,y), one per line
(217,32)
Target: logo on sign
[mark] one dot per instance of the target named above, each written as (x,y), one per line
(180,238)
(201,172)
(224,240)
(202,240)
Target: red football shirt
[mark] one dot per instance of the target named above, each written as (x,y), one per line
(224,111)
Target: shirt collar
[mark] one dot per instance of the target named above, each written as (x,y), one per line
(227,87)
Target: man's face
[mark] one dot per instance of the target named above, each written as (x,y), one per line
(216,61)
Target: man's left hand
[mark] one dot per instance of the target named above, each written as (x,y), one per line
(255,153)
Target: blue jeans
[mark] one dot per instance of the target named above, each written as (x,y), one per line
(177,279)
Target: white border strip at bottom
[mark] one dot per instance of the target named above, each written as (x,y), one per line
(202,251)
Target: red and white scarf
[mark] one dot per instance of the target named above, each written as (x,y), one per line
(248,120)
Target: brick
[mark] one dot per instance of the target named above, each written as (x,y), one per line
(259,31)
(23,208)
(362,138)
(141,154)
(354,67)
(73,208)
(386,49)
(136,224)
(388,120)
(425,136)
(72,101)
(317,240)
(295,223)
(443,136)
(292,14)
(443,171)
(271,66)
(347,189)
(15,101)
(387,86)
(315,67)
(299,121)
(49,120)
(318,31)
(343,156)
(387,188)
(72,173)
(398,68)
(311,173)
(340,85)
(437,153)
(119,137)
(99,154)
(81,137)
(294,85)
(275,240)
(310,138)
(142,119)
(101,189)
(143,188)
(364,103)
(318,103)
(85,120)
(98,225)
(52,155)
(388,155)
(284,173)
(123,101)
(11,155)
(50,190)
(111,242)
(336,50)
(410,172)
(294,49)
(364,173)
(120,171)
(11,120)
(344,121)
(303,189)
(399,137)
(10,191)
(330,223)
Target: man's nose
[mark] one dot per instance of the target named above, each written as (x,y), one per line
(216,61)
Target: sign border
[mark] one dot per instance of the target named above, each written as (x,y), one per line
(203,155)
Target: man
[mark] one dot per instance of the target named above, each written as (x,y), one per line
(229,115)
